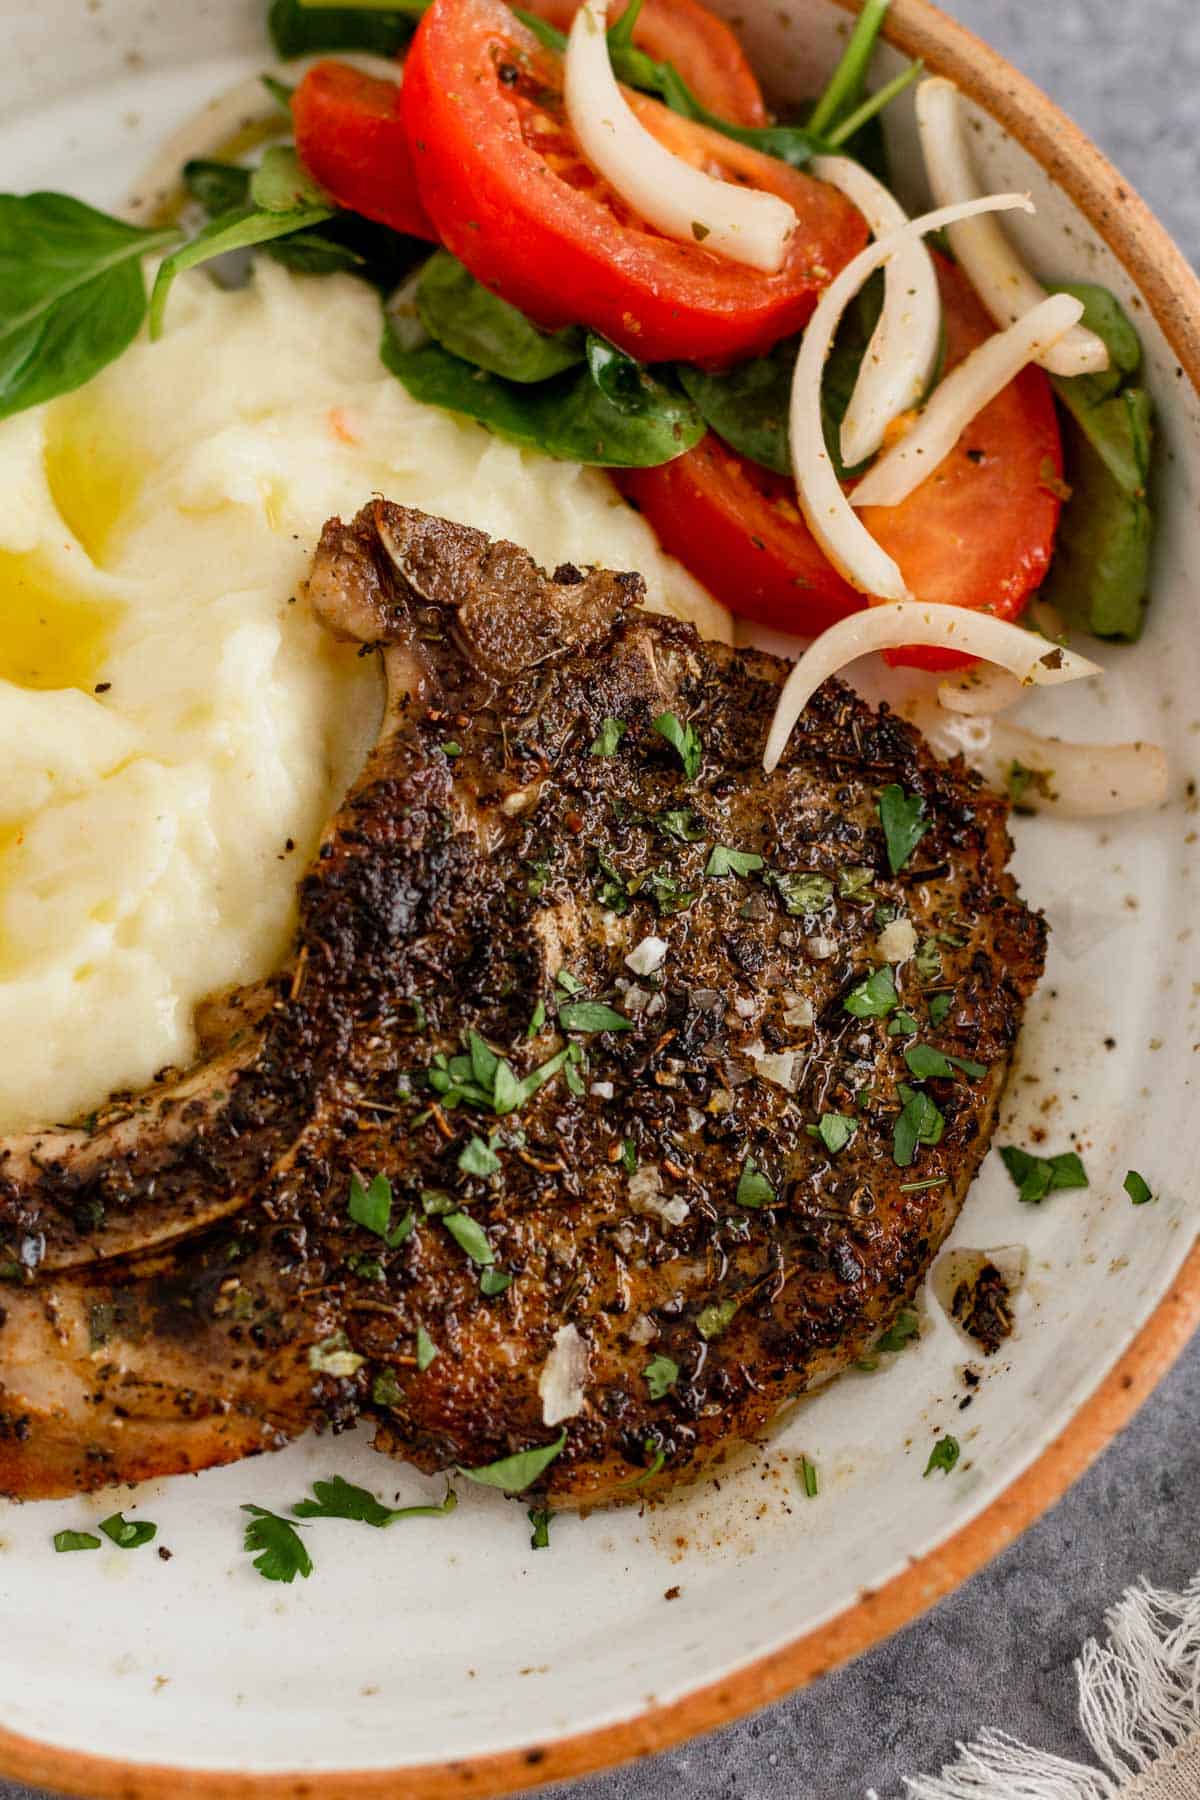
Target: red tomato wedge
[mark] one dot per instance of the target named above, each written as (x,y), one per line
(502,178)
(978,532)
(350,136)
(701,46)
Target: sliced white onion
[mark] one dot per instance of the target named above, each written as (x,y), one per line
(996,272)
(900,357)
(743,224)
(839,531)
(983,689)
(563,1379)
(961,395)
(1072,781)
(1029,658)
(209,131)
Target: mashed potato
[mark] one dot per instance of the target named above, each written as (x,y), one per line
(174,727)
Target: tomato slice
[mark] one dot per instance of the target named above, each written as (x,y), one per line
(978,532)
(351,137)
(502,179)
(702,47)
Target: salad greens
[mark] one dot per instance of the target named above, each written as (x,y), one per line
(299,30)
(611,411)
(476,325)
(72,294)
(1100,571)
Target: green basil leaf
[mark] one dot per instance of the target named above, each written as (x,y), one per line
(919,1122)
(470,1236)
(926,1064)
(592,1015)
(72,296)
(471,322)
(299,30)
(281,183)
(515,1473)
(661,1375)
(611,413)
(128,1534)
(340,1499)
(282,1554)
(835,1131)
(1037,1176)
(238,230)
(904,824)
(1138,1188)
(493,1282)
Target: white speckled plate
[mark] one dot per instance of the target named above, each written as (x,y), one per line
(445,1657)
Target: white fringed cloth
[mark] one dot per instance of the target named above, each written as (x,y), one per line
(1139,1706)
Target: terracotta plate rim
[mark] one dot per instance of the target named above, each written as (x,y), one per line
(1172,293)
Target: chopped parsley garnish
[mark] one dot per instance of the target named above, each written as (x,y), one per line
(658,1457)
(683,739)
(75,1540)
(918,1187)
(1037,1176)
(570,984)
(539,1518)
(1138,1188)
(855,882)
(903,1328)
(939,1006)
(806,1472)
(436,1201)
(666,890)
(903,1025)
(714,1319)
(875,997)
(483,1079)
(629,1157)
(926,1063)
(904,824)
(591,1016)
(928,961)
(834,1130)
(680,824)
(537,1019)
(371,1207)
(427,1350)
(450,748)
(282,1555)
(493,1282)
(470,1236)
(386,1390)
(335,1357)
(478,1158)
(128,1534)
(753,1188)
(801,891)
(515,1473)
(661,1375)
(340,1499)
(724,861)
(920,1122)
(944,1455)
(610,889)
(609,737)
(367,1268)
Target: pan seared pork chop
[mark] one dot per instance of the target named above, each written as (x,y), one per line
(617,1092)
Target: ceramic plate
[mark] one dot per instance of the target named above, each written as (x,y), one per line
(447,1649)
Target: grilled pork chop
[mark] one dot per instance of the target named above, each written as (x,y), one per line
(608,1102)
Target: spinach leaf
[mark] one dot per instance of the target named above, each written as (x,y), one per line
(470,321)
(298,30)
(281,183)
(612,412)
(748,405)
(72,296)
(346,244)
(236,230)
(1100,571)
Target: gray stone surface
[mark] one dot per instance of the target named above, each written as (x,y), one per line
(1000,1650)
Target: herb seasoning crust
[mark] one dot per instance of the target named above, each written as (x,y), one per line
(616,1092)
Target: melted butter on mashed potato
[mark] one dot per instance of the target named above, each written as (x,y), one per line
(171,717)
